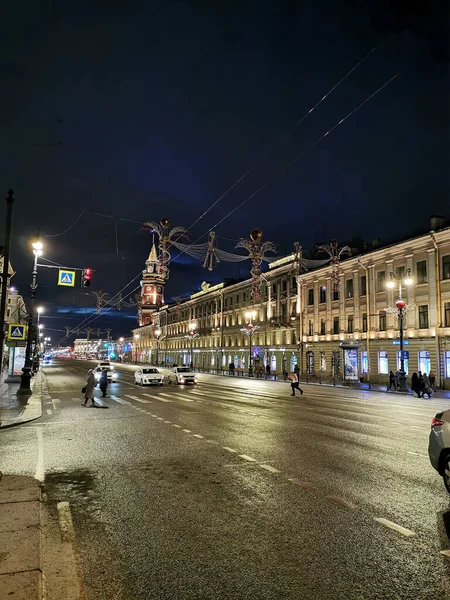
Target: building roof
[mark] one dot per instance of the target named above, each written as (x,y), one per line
(153,256)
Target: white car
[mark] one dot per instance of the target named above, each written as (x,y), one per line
(111,374)
(182,375)
(148,376)
(105,365)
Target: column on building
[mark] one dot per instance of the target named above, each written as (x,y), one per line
(371,290)
(392,295)
(409,294)
(316,308)
(356,302)
(342,324)
(432,289)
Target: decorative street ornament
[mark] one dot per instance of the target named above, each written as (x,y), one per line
(335,253)
(257,253)
(101,299)
(167,237)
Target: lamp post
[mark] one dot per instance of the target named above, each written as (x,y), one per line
(136,337)
(401,308)
(250,330)
(157,333)
(191,336)
(26,371)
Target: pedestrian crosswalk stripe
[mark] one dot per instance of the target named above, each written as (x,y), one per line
(138,399)
(120,400)
(163,399)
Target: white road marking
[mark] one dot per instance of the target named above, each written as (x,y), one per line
(40,471)
(269,468)
(340,501)
(301,483)
(120,400)
(160,418)
(197,435)
(418,454)
(168,422)
(199,401)
(178,426)
(395,527)
(135,398)
(155,416)
(229,449)
(65,522)
(162,399)
(249,458)
(187,430)
(49,411)
(197,393)
(75,400)
(211,442)
(416,427)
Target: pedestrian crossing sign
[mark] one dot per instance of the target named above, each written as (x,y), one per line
(17,332)
(66,278)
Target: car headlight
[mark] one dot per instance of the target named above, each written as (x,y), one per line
(181,380)
(114,375)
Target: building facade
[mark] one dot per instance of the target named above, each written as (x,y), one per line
(302,319)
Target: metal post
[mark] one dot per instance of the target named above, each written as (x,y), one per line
(5,274)
(25,378)
(250,362)
(192,360)
(402,374)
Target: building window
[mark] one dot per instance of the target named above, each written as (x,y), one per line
(383,363)
(244,297)
(421,271)
(424,361)
(399,363)
(336,325)
(323,361)
(364,322)
(350,324)
(284,285)
(364,362)
(423,316)
(294,283)
(446,267)
(335,295)
(349,288)
(323,294)
(400,272)
(363,285)
(447,364)
(310,363)
(322,326)
(311,328)
(381,281)
(310,297)
(447,314)
(382,320)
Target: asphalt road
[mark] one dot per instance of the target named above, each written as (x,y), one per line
(235,490)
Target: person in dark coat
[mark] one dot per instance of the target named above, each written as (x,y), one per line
(90,387)
(231,368)
(421,384)
(267,371)
(415,384)
(392,382)
(103,382)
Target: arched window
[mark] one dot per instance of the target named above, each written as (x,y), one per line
(310,362)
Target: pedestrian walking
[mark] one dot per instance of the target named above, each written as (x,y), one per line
(231,368)
(103,382)
(89,388)
(295,384)
(415,386)
(267,371)
(432,378)
(420,386)
(426,386)
(392,383)
(297,370)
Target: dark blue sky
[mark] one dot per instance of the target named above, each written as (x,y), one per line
(155,108)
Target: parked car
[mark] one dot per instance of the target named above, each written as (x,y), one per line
(148,376)
(439,446)
(111,374)
(182,375)
(105,364)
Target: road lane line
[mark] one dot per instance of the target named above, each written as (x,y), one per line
(303,484)
(340,501)
(65,522)
(160,418)
(177,426)
(197,435)
(162,399)
(229,449)
(269,468)
(119,400)
(211,442)
(40,471)
(249,458)
(418,454)
(49,411)
(395,527)
(186,430)
(170,422)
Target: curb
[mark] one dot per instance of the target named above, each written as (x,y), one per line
(33,407)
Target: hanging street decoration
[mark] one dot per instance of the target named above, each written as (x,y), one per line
(335,253)
(257,250)
(101,299)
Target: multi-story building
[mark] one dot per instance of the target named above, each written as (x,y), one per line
(304,319)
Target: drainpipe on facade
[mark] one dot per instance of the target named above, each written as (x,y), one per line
(368,317)
(439,309)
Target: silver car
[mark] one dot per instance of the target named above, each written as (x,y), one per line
(439,446)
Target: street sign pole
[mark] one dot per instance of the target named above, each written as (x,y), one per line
(5,274)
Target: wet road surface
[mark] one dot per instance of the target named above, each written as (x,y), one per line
(235,490)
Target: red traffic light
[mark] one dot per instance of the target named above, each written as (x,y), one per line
(87,277)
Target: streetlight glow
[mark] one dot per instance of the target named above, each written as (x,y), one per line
(390,284)
(40,309)
(408,281)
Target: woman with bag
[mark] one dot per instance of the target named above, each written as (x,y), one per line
(89,388)
(295,384)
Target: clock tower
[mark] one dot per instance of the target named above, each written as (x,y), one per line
(152,288)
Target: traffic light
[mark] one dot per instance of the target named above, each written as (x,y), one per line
(87,277)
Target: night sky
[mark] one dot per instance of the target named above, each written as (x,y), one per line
(153,109)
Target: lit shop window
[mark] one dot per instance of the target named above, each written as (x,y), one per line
(405,362)
(424,361)
(383,363)
(364,362)
(447,364)
(310,362)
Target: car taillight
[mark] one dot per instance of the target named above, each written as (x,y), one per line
(435,422)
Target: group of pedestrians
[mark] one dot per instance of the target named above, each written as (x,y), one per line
(422,384)
(91,383)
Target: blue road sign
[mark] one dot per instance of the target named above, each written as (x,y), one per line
(66,278)
(404,354)
(17,332)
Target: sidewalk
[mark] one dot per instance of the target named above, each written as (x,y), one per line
(21,538)
(21,409)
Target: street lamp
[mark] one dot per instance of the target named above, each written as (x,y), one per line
(250,330)
(400,308)
(157,333)
(191,336)
(26,370)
